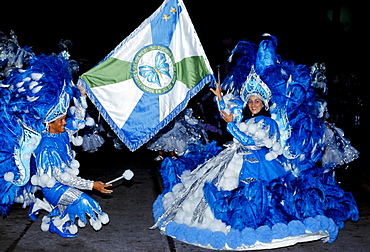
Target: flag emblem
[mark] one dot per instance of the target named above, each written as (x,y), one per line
(153,69)
(149,78)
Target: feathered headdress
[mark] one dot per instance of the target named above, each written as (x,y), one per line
(41,93)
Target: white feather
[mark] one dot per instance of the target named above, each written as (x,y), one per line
(32,84)
(36,76)
(32,98)
(19,84)
(9,176)
(36,89)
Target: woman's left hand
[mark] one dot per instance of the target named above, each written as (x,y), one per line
(227,117)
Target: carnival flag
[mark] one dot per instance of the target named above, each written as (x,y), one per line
(150,76)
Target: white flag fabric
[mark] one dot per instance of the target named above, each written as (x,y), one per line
(150,76)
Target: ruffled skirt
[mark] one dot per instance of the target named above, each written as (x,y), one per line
(207,208)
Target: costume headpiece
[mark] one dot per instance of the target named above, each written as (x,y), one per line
(60,109)
(254,86)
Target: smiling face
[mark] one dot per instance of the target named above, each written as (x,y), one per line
(57,126)
(255,104)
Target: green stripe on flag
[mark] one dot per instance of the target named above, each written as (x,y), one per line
(191,71)
(108,72)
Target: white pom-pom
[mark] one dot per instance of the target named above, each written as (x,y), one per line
(73,229)
(9,176)
(276,147)
(26,156)
(80,223)
(128,174)
(72,110)
(73,172)
(45,226)
(104,218)
(34,140)
(31,146)
(77,141)
(269,156)
(36,89)
(35,180)
(75,164)
(50,183)
(36,76)
(81,125)
(96,224)
(268,143)
(44,179)
(89,121)
(45,219)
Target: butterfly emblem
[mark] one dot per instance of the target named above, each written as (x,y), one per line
(154,74)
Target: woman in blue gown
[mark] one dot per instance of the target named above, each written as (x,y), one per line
(247,197)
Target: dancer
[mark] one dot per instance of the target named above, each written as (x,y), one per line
(255,194)
(57,172)
(36,153)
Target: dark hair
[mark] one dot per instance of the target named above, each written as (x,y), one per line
(248,114)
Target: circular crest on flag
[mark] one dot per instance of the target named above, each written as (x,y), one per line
(153,69)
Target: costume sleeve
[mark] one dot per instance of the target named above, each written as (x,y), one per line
(239,135)
(47,159)
(228,103)
(220,104)
(72,180)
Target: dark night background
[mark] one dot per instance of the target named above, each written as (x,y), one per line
(308,31)
(331,31)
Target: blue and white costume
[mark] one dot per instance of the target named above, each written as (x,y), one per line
(32,159)
(251,195)
(57,172)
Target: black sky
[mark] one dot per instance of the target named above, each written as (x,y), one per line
(304,32)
